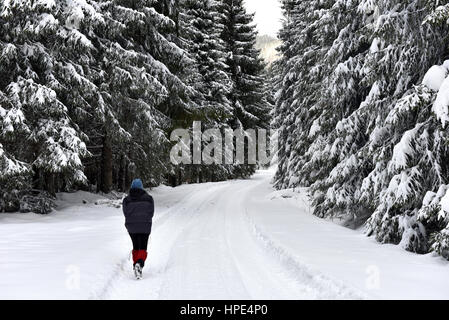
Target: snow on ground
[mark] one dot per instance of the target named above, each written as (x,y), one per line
(229,240)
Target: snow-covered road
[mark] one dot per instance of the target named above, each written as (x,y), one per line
(229,240)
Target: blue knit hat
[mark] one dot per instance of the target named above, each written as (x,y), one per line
(137,184)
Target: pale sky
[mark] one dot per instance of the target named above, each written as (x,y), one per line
(268,15)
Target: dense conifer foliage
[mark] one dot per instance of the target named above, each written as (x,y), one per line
(362,111)
(90,90)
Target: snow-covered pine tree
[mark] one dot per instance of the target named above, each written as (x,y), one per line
(143,93)
(37,130)
(412,170)
(342,91)
(371,140)
(389,69)
(435,209)
(136,89)
(82,25)
(312,67)
(179,104)
(245,66)
(319,35)
(98,71)
(401,50)
(414,166)
(283,81)
(200,32)
(248,96)
(14,176)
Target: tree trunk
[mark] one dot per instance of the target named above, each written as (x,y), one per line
(128,178)
(172,180)
(106,167)
(121,174)
(50,183)
(179,177)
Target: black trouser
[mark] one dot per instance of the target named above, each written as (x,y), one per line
(140,241)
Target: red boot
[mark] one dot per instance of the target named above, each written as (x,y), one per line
(142,256)
(135,256)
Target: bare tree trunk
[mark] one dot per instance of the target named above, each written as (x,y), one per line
(128,178)
(121,174)
(179,177)
(106,167)
(50,183)
(172,180)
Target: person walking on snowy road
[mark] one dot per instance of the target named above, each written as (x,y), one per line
(138,208)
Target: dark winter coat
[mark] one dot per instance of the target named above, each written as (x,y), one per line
(138,208)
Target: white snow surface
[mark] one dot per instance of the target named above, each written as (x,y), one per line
(229,240)
(441,105)
(434,78)
(445,202)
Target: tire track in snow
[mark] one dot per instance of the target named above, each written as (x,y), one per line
(187,208)
(249,259)
(196,208)
(325,286)
(118,272)
(275,279)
